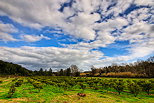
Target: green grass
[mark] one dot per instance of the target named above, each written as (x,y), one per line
(26,93)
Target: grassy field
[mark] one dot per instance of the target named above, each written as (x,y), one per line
(26,93)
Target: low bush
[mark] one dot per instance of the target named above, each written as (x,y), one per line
(119,86)
(38,85)
(147,86)
(14,79)
(105,84)
(18,83)
(134,88)
(83,86)
(11,91)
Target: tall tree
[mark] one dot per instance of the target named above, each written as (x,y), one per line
(61,72)
(93,70)
(74,70)
(50,72)
(41,71)
(68,72)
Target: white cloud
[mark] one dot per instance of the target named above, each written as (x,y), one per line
(144,2)
(33,38)
(135,52)
(5,32)
(46,57)
(79,20)
(82,26)
(39,13)
(8,28)
(137,32)
(6,37)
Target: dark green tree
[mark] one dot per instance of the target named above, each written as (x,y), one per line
(68,72)
(61,72)
(41,71)
(50,72)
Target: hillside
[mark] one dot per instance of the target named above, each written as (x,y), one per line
(7,68)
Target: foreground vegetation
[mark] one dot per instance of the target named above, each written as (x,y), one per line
(53,89)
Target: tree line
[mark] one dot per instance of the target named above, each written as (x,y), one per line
(73,70)
(140,68)
(7,68)
(137,69)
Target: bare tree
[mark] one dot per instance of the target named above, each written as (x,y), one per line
(93,70)
(74,70)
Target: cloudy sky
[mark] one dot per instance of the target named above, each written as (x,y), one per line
(58,33)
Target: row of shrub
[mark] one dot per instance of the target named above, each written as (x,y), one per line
(13,86)
(134,86)
(36,84)
(19,82)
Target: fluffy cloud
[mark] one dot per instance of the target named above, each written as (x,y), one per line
(82,26)
(5,32)
(144,2)
(31,13)
(77,20)
(46,57)
(99,23)
(33,38)
(137,32)
(6,37)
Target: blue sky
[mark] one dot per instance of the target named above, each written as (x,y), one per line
(58,33)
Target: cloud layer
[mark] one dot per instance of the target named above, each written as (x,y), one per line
(98,23)
(49,57)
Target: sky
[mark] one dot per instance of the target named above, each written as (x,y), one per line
(59,33)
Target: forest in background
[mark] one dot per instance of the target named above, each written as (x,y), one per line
(137,69)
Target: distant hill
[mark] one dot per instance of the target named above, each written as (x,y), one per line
(7,68)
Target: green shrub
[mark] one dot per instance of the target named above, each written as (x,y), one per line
(95,86)
(134,88)
(11,91)
(83,86)
(96,81)
(38,85)
(71,83)
(14,79)
(105,84)
(52,83)
(147,86)
(30,80)
(18,83)
(119,86)
(90,83)
(65,85)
